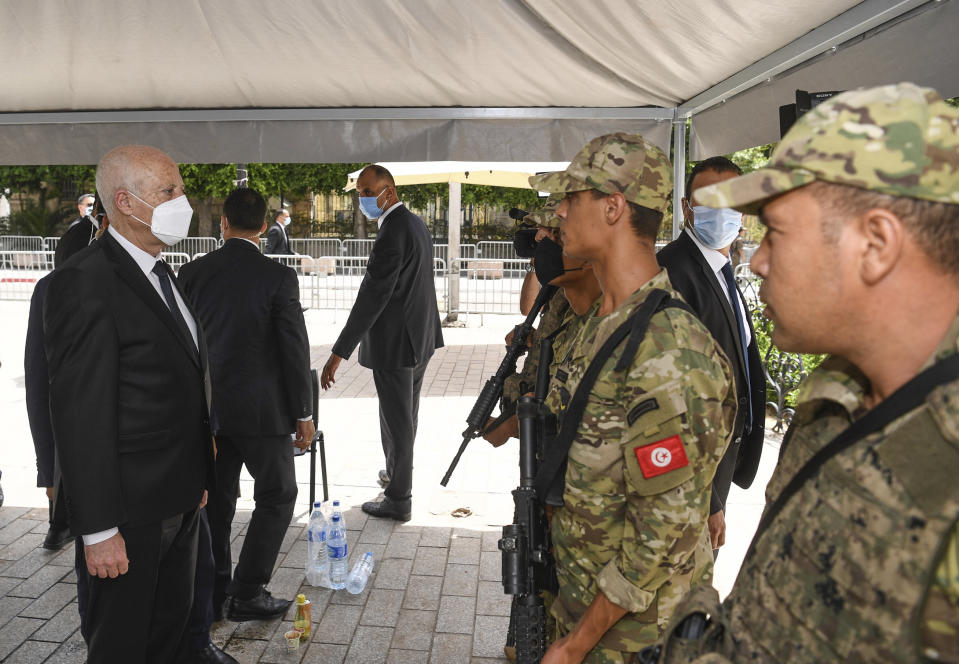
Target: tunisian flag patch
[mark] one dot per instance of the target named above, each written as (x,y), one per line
(661,457)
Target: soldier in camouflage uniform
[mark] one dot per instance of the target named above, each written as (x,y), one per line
(550,319)
(860,260)
(631,537)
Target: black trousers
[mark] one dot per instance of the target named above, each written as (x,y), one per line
(201,615)
(141,616)
(398,393)
(270,462)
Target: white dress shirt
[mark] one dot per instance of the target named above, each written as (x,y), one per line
(145,262)
(380,219)
(716,260)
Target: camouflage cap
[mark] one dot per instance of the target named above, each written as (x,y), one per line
(900,139)
(546,215)
(624,163)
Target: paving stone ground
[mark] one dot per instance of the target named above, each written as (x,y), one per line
(435,593)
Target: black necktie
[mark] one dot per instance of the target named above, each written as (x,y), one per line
(734,300)
(161,270)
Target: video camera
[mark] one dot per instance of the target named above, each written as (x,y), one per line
(805,101)
(524,240)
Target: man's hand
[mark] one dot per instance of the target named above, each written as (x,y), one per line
(717,529)
(502,433)
(49,491)
(304,434)
(107,558)
(203,500)
(329,370)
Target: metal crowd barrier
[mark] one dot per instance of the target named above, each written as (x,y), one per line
(196,245)
(21,270)
(357,248)
(176,259)
(442,251)
(316,247)
(50,243)
(498,250)
(491,286)
(21,243)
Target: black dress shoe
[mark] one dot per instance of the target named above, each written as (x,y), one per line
(389,509)
(212,655)
(383,478)
(262,607)
(56,538)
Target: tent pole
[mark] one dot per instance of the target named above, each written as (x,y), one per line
(679,173)
(453,251)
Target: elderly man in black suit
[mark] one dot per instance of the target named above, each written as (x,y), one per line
(277,239)
(249,306)
(129,409)
(396,323)
(698,266)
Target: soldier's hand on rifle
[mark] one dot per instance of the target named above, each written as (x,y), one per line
(529,340)
(502,433)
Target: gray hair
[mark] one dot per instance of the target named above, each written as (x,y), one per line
(80,200)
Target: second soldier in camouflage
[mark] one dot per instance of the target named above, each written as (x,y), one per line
(631,537)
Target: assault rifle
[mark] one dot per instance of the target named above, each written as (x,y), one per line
(493,390)
(528,566)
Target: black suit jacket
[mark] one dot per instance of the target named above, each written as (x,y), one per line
(249,307)
(395,318)
(128,398)
(37,385)
(691,275)
(277,241)
(76,237)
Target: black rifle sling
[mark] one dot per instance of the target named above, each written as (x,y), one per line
(635,327)
(907,398)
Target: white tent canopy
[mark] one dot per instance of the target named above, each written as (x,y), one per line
(412,80)
(490,173)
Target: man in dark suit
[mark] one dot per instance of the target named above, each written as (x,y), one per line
(396,322)
(260,363)
(128,404)
(79,233)
(698,266)
(277,239)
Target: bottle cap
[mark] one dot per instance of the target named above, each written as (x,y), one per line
(301,599)
(317,504)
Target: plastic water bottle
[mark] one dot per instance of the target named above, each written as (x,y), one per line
(336,508)
(336,541)
(317,554)
(360,574)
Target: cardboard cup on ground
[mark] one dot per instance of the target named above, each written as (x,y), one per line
(292,640)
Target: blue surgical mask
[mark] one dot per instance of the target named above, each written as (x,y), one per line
(369,207)
(716,227)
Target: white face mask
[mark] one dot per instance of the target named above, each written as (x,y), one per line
(286,221)
(171,220)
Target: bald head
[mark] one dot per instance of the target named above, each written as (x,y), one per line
(129,167)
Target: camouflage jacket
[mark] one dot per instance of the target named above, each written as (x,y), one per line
(524,381)
(861,564)
(640,469)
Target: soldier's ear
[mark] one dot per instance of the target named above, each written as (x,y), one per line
(882,237)
(616,208)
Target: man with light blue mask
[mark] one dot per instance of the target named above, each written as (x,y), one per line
(699,268)
(396,323)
